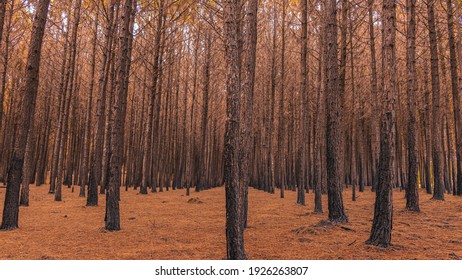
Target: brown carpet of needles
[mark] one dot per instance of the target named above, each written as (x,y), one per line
(170,225)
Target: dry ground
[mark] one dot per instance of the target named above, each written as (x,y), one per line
(167,226)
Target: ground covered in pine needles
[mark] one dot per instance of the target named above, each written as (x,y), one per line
(170,225)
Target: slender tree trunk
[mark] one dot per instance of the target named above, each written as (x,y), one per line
(202,184)
(246,98)
(67,102)
(455,82)
(282,163)
(96,154)
(86,145)
(412,192)
(303,91)
(437,149)
(374,97)
(428,132)
(3,4)
(147,156)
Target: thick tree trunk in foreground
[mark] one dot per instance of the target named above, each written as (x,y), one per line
(232,37)
(118,110)
(333,129)
(29,94)
(383,211)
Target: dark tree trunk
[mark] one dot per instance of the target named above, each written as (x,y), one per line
(247,96)
(2,23)
(437,149)
(374,98)
(383,210)
(333,128)
(412,192)
(66,102)
(29,94)
(118,111)
(86,144)
(232,37)
(455,95)
(97,151)
(304,93)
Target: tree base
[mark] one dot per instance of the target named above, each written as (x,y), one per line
(378,243)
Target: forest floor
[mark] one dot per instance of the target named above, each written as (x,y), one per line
(170,225)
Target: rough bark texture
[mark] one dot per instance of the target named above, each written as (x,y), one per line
(437,148)
(412,193)
(29,94)
(232,37)
(247,93)
(383,210)
(455,83)
(118,110)
(333,129)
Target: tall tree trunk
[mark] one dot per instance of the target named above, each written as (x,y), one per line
(148,153)
(273,100)
(455,82)
(3,4)
(333,128)
(303,91)
(86,145)
(118,110)
(232,37)
(374,98)
(202,184)
(281,123)
(97,151)
(66,102)
(383,210)
(247,96)
(29,94)
(412,192)
(437,149)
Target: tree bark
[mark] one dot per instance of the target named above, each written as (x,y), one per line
(333,128)
(455,82)
(29,94)
(247,98)
(118,110)
(437,149)
(96,154)
(383,210)
(232,37)
(412,191)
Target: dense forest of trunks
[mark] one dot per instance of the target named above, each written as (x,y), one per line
(277,95)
